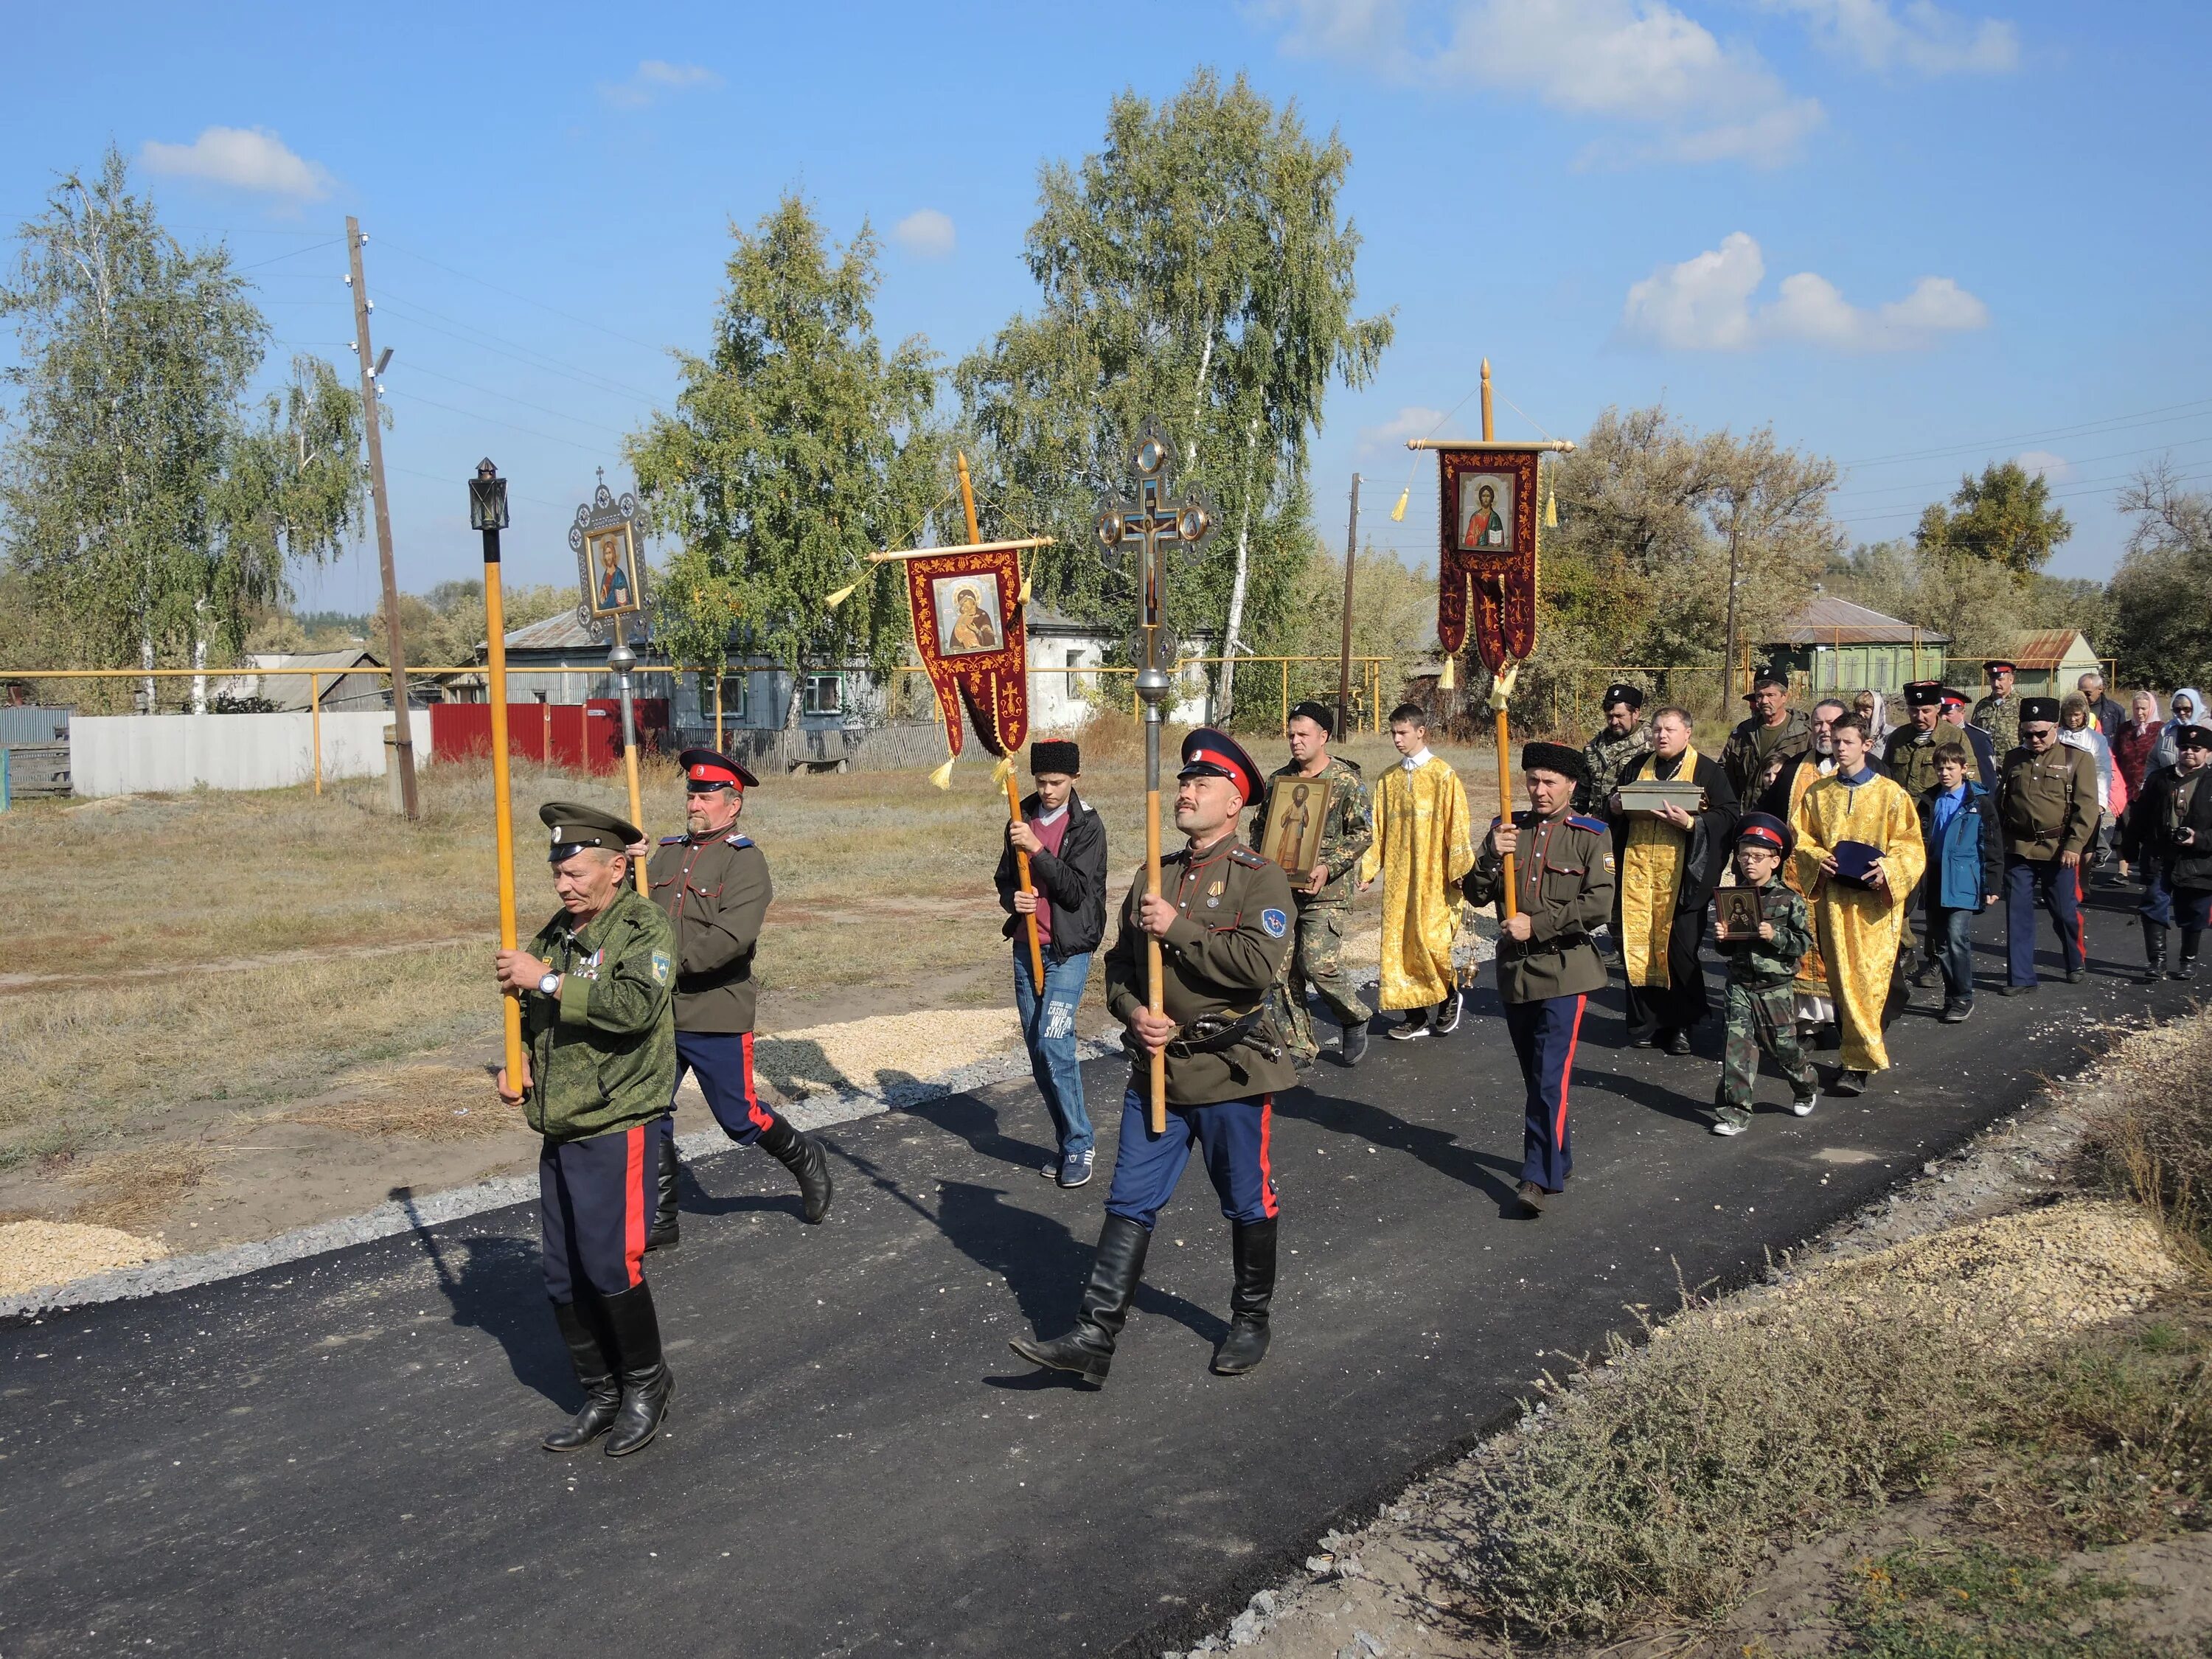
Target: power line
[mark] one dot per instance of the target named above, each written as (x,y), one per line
(492,420)
(2111,421)
(489,392)
(555,310)
(510,347)
(2083,461)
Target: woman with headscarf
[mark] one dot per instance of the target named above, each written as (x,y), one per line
(2076,731)
(2131,751)
(1873,711)
(2185,707)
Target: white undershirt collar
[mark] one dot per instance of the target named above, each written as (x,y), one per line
(1419,758)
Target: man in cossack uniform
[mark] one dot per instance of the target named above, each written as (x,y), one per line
(2047,808)
(1563,880)
(712,884)
(1222,920)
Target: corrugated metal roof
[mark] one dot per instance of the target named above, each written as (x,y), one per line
(352,657)
(1827,619)
(2049,648)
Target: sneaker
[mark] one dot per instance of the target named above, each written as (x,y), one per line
(1729,1126)
(1931,973)
(1954,1013)
(1051,1172)
(1448,1011)
(1075,1168)
(1416,1025)
(1804,1107)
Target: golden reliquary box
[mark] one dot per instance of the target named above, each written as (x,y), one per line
(1650,795)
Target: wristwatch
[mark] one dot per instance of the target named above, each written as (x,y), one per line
(549,985)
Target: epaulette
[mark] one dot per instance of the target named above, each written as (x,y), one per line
(1595,826)
(1179,855)
(736,840)
(1342,760)
(674,841)
(1249,859)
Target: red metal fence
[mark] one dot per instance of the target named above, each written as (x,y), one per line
(586,736)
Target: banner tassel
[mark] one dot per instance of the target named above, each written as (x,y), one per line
(1551,509)
(1448,680)
(942,777)
(1398,512)
(839,597)
(1002,771)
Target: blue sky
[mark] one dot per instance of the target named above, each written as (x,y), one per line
(1913,237)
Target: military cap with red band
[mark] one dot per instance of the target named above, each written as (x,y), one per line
(1207,753)
(1763,829)
(1955,698)
(704,770)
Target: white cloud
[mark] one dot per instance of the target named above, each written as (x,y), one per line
(244,158)
(653,80)
(2043,463)
(925,232)
(1639,61)
(1411,421)
(1707,304)
(1920,36)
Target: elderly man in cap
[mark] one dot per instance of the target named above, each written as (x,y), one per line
(1998,713)
(1546,965)
(599,1037)
(1065,844)
(2169,838)
(1222,920)
(2047,808)
(714,884)
(1774,729)
(1317,937)
(1978,743)
(1614,748)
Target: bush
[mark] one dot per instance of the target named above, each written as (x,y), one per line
(2152,1140)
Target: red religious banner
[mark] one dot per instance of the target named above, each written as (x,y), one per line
(1486,553)
(968,627)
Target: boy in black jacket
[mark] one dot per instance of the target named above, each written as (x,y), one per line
(1065,844)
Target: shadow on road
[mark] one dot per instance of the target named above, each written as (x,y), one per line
(495,1285)
(1440,1149)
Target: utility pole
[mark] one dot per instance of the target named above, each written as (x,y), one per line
(403,727)
(1343,653)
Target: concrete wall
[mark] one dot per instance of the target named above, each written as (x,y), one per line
(168,754)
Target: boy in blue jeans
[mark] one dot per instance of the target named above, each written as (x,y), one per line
(1966,871)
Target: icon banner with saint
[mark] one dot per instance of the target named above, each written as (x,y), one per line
(1290,831)
(967,627)
(1486,557)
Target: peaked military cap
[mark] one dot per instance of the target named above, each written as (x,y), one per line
(1763,829)
(1771,676)
(1922,693)
(2038,709)
(1999,666)
(575,826)
(1622,693)
(1207,753)
(1954,697)
(1540,756)
(1054,754)
(705,771)
(1319,714)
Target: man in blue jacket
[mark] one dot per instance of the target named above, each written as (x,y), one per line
(1966,871)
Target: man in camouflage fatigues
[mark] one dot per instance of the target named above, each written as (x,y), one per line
(1316,951)
(1762,1012)
(1622,740)
(1998,713)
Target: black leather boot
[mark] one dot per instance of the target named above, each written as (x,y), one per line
(1088,1350)
(663,1234)
(2154,951)
(648,1384)
(595,1372)
(802,1155)
(1253,1245)
(2186,966)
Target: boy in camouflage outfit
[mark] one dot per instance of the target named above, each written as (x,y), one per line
(1761,1011)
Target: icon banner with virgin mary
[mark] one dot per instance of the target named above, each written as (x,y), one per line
(967,627)
(1487,551)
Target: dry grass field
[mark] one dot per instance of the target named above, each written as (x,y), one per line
(181,966)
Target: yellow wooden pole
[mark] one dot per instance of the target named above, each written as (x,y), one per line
(315,704)
(1285,665)
(1504,738)
(718,714)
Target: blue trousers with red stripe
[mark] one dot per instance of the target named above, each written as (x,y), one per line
(1544,1033)
(723,1063)
(1233,1136)
(2030,881)
(594,1204)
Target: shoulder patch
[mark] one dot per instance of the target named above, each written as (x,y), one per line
(736,840)
(674,841)
(1249,859)
(1275,922)
(1595,826)
(1609,860)
(660,967)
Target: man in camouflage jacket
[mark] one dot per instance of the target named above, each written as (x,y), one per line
(1619,744)
(1316,956)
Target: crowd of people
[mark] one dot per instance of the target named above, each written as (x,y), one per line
(1827,858)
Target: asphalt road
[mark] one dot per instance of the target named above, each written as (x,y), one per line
(339,1457)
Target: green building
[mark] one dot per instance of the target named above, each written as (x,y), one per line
(1836,645)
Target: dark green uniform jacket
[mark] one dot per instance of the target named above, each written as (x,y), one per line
(1564,874)
(1346,832)
(1752,744)
(1766,964)
(714,891)
(602,1053)
(1218,960)
(2047,803)
(1910,758)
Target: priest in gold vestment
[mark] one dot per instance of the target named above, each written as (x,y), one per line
(1815,1007)
(1858,817)
(1423,845)
(1669,864)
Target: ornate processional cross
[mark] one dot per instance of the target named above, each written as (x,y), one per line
(1154,524)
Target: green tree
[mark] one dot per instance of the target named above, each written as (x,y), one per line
(143,506)
(2161,615)
(2004,517)
(795,448)
(1195,273)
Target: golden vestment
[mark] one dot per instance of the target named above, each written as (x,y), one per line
(1812,979)
(1651,860)
(1422,846)
(1859,929)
